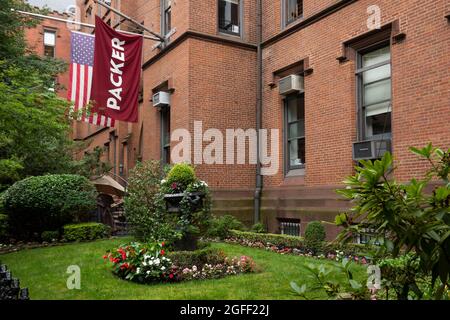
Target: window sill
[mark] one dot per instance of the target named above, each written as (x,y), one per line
(295,173)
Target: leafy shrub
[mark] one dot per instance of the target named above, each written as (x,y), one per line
(145,216)
(404,216)
(86,231)
(182,175)
(187,259)
(315,236)
(259,228)
(37,204)
(4,227)
(49,236)
(269,239)
(220,227)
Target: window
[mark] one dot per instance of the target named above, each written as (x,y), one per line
(289,226)
(374,79)
(293,10)
(166,16)
(165,135)
(295,131)
(230,16)
(49,43)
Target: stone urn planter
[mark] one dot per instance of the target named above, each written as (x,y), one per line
(173,205)
(173,201)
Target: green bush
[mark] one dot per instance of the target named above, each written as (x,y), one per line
(37,204)
(315,236)
(146,220)
(259,228)
(269,239)
(182,174)
(50,236)
(220,227)
(4,227)
(187,259)
(86,231)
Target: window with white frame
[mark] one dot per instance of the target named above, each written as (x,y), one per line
(166,16)
(295,131)
(49,43)
(230,16)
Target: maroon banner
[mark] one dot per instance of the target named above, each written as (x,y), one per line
(117,73)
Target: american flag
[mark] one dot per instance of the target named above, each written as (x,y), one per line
(79,92)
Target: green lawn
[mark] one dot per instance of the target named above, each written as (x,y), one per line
(43,271)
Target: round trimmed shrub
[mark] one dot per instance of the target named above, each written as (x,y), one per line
(86,231)
(42,203)
(315,236)
(182,174)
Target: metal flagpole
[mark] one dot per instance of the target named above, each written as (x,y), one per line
(41,16)
(161,38)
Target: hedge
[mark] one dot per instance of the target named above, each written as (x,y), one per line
(4,227)
(86,231)
(269,238)
(187,259)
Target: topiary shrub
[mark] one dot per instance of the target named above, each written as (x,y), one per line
(259,228)
(86,231)
(182,175)
(37,204)
(315,236)
(50,236)
(220,227)
(4,227)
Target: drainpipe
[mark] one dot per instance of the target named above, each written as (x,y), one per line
(259,179)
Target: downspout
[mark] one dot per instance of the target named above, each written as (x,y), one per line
(259,179)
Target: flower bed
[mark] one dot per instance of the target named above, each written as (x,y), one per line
(284,244)
(150,263)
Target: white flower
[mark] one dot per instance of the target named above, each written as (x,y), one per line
(148,272)
(194,268)
(138,270)
(163,181)
(144,263)
(150,263)
(163,268)
(157,262)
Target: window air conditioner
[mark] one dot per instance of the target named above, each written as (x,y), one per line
(161,99)
(291,84)
(369,150)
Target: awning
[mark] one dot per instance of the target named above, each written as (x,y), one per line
(106,184)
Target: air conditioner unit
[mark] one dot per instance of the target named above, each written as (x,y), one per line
(161,99)
(372,149)
(291,84)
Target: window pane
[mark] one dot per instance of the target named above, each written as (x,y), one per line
(377,56)
(167,3)
(294,10)
(377,92)
(49,51)
(377,74)
(297,152)
(378,124)
(296,110)
(49,38)
(297,129)
(380,108)
(229,15)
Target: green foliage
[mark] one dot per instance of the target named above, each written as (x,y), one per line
(146,221)
(329,278)
(4,227)
(37,204)
(220,227)
(269,238)
(404,216)
(86,231)
(91,165)
(258,228)
(315,236)
(182,175)
(187,259)
(50,236)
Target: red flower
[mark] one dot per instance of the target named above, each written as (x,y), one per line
(105,257)
(171,276)
(124,256)
(124,266)
(162,244)
(163,252)
(116,260)
(174,185)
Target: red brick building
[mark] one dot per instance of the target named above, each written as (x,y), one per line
(52,39)
(344,81)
